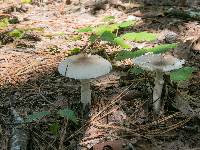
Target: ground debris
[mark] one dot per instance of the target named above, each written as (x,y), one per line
(28,74)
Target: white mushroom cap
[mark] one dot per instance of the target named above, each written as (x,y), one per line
(84,66)
(163,63)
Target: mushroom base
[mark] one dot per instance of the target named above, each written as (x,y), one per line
(85,93)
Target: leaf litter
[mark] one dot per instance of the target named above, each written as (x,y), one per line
(30,81)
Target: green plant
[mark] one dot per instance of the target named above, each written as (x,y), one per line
(122,43)
(136,70)
(99,29)
(126,24)
(107,32)
(73,51)
(93,38)
(37,116)
(182,74)
(67,113)
(54,128)
(139,37)
(108,18)
(85,29)
(107,36)
(17,33)
(156,50)
(4,23)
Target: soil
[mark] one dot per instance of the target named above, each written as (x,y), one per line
(30,82)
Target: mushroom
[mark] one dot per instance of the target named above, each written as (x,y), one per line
(160,64)
(84,67)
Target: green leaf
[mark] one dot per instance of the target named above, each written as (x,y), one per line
(36,116)
(113,27)
(85,29)
(69,114)
(126,24)
(102,28)
(182,74)
(75,51)
(108,18)
(4,23)
(93,38)
(119,41)
(54,128)
(17,33)
(136,70)
(139,37)
(107,36)
(156,50)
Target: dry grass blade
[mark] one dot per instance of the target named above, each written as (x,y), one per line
(164,119)
(106,114)
(118,98)
(120,128)
(169,128)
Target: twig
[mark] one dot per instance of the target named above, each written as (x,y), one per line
(63,134)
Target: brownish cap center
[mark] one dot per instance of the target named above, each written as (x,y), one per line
(163,61)
(83,59)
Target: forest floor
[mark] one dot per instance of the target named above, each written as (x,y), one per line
(30,82)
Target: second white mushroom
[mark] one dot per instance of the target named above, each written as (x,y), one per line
(159,64)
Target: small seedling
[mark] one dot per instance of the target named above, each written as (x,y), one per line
(4,23)
(54,128)
(17,33)
(73,51)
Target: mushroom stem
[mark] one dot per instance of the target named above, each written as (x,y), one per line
(157,91)
(85,93)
